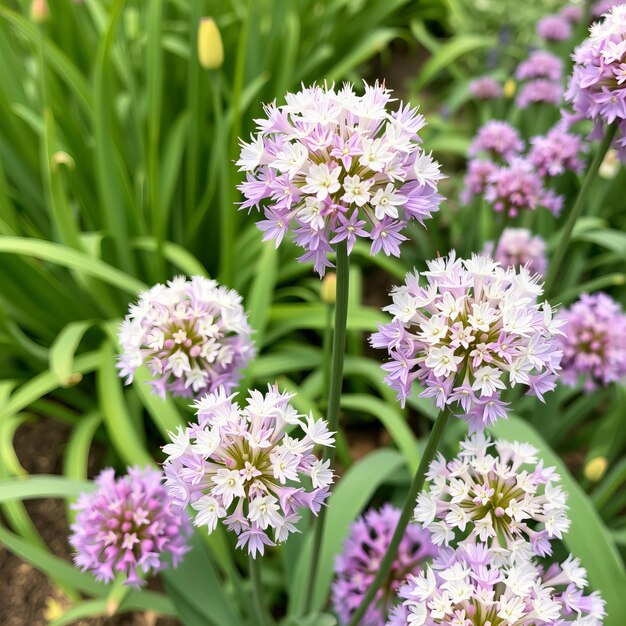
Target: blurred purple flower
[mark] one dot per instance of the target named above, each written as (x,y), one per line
(554,28)
(496,139)
(538,91)
(540,64)
(485,88)
(518,248)
(556,152)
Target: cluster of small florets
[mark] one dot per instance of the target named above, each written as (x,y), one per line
(471,331)
(471,586)
(497,494)
(594,341)
(572,13)
(544,73)
(128,527)
(485,88)
(540,64)
(363,551)
(538,91)
(599,8)
(597,87)
(511,181)
(554,28)
(517,248)
(239,465)
(193,335)
(335,166)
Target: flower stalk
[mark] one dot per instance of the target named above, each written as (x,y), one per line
(334,393)
(405,517)
(262,616)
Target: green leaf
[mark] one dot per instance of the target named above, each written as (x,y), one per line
(612,240)
(588,537)
(72,259)
(63,349)
(175,254)
(119,424)
(42,486)
(349,498)
(262,292)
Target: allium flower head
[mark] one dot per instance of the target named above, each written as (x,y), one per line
(517,187)
(193,335)
(517,248)
(554,28)
(539,90)
(355,568)
(497,139)
(597,87)
(474,589)
(470,332)
(479,171)
(496,494)
(247,467)
(594,341)
(128,526)
(598,9)
(331,166)
(485,88)
(572,13)
(540,64)
(556,152)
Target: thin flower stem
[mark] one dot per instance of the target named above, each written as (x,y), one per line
(405,517)
(503,223)
(577,209)
(334,394)
(257,597)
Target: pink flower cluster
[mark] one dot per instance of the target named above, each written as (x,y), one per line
(193,335)
(517,248)
(556,152)
(245,466)
(539,90)
(472,330)
(554,28)
(496,139)
(128,526)
(485,88)
(540,64)
(597,87)
(364,548)
(594,341)
(332,165)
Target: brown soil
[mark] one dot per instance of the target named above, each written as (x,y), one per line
(27,597)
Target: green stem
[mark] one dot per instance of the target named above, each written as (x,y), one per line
(334,394)
(577,209)
(405,517)
(257,597)
(503,223)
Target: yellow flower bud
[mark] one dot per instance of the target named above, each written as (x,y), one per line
(610,165)
(210,47)
(39,12)
(509,88)
(594,470)
(63,158)
(329,288)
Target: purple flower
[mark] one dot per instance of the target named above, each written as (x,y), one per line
(598,9)
(572,13)
(485,88)
(479,172)
(540,64)
(556,152)
(247,467)
(554,28)
(363,551)
(518,248)
(597,87)
(472,583)
(474,328)
(539,90)
(497,139)
(193,335)
(517,187)
(331,166)
(594,343)
(127,526)
(499,495)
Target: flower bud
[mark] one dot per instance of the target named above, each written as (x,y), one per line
(594,470)
(210,47)
(329,288)
(610,165)
(60,157)
(39,11)
(509,88)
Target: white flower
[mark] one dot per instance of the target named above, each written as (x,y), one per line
(251,153)
(209,512)
(311,213)
(488,380)
(229,485)
(264,511)
(356,190)
(442,360)
(426,170)
(206,442)
(290,159)
(321,474)
(386,202)
(322,181)
(317,431)
(178,445)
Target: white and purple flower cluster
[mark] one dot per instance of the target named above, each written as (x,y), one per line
(597,87)
(128,527)
(511,181)
(364,548)
(493,511)
(246,467)
(496,494)
(471,586)
(517,248)
(332,165)
(594,342)
(472,330)
(193,335)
